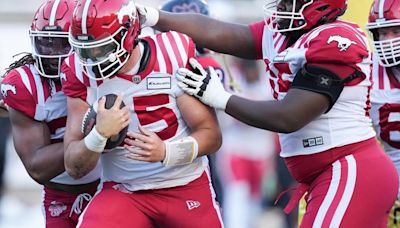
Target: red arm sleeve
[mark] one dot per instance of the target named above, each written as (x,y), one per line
(257,29)
(191,52)
(16,94)
(339,50)
(71,85)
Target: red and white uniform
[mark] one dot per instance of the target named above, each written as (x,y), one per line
(151,97)
(319,47)
(340,145)
(385,109)
(152,103)
(43,100)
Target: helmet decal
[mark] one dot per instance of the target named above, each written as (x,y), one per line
(127,10)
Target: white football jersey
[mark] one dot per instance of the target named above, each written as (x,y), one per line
(152,99)
(44,101)
(340,47)
(385,109)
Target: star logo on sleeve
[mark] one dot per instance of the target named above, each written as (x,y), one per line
(324,81)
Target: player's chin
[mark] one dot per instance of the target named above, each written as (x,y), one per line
(283,23)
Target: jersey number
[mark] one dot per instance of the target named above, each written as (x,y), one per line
(389,126)
(148,114)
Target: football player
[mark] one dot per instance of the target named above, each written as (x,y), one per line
(160,176)
(37,110)
(319,68)
(384,27)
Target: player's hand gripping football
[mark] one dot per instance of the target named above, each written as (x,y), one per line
(145,146)
(203,84)
(111,121)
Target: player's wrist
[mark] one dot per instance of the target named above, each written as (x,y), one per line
(102,132)
(180,152)
(153,15)
(94,141)
(150,15)
(222,101)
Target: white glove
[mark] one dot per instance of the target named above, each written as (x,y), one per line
(205,85)
(148,16)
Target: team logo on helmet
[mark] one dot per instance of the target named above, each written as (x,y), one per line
(127,10)
(343,42)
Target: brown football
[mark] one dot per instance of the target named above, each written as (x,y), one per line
(89,121)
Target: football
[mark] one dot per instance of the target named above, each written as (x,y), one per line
(89,120)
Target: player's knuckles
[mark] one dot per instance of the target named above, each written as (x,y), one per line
(149,146)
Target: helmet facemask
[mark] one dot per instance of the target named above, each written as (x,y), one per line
(388,50)
(49,48)
(282,20)
(103,57)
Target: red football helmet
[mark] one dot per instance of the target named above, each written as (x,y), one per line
(49,36)
(383,14)
(103,35)
(291,15)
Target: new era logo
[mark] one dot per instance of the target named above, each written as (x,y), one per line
(192,204)
(317,141)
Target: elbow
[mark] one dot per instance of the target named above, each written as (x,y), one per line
(36,171)
(217,141)
(39,176)
(73,172)
(290,125)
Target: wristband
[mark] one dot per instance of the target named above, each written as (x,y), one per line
(94,141)
(149,16)
(222,100)
(180,152)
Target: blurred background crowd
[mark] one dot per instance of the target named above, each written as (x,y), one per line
(249,171)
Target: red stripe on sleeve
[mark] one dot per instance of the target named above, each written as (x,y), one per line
(257,30)
(174,46)
(31,82)
(164,53)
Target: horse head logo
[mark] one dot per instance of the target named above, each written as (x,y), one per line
(7,87)
(127,10)
(343,42)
